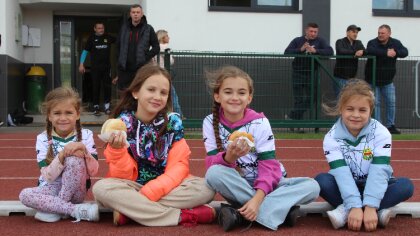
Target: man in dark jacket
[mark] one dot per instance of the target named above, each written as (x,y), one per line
(137,44)
(386,50)
(346,68)
(309,44)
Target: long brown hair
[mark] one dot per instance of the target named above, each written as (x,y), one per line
(214,81)
(127,101)
(52,99)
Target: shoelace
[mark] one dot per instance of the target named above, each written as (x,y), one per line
(83,215)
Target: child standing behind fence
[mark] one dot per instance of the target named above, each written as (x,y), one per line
(359,184)
(67,156)
(163,38)
(249,179)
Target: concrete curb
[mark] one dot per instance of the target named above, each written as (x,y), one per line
(8,208)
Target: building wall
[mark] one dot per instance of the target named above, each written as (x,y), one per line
(42,19)
(2,26)
(192,27)
(11,40)
(264,32)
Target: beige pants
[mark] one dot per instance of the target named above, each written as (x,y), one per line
(124,196)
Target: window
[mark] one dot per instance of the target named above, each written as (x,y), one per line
(288,6)
(407,8)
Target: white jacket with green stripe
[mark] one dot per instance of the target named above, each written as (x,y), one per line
(362,158)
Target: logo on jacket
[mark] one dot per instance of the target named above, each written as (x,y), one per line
(387,146)
(367,154)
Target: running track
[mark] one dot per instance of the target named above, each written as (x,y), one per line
(18,169)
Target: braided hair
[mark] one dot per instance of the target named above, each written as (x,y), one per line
(52,99)
(214,81)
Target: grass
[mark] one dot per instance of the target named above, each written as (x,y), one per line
(319,136)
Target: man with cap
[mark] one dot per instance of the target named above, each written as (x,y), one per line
(346,68)
(387,50)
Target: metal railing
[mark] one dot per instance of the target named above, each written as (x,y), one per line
(272,75)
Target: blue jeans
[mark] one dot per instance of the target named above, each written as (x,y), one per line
(175,101)
(388,93)
(339,85)
(399,190)
(275,206)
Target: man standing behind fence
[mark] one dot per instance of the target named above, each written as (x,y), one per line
(137,43)
(346,68)
(309,44)
(386,50)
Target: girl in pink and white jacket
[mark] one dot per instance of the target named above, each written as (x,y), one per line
(67,157)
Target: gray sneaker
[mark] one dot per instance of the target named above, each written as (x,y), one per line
(86,211)
(384,216)
(47,217)
(338,216)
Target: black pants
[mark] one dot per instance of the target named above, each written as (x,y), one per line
(101,77)
(302,94)
(124,79)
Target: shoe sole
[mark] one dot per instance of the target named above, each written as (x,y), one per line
(292,217)
(226,223)
(96,219)
(385,220)
(48,220)
(116,216)
(335,224)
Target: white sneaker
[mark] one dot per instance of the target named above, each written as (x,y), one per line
(10,120)
(383,217)
(338,216)
(86,211)
(47,217)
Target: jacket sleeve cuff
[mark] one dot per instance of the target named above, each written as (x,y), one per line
(148,192)
(114,154)
(92,165)
(218,160)
(53,170)
(371,201)
(352,202)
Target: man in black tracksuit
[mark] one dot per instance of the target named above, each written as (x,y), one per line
(137,44)
(99,46)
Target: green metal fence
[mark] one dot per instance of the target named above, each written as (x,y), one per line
(272,75)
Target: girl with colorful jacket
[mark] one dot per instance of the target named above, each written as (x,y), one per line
(149,181)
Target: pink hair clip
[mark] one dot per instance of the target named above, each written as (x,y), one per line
(50,142)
